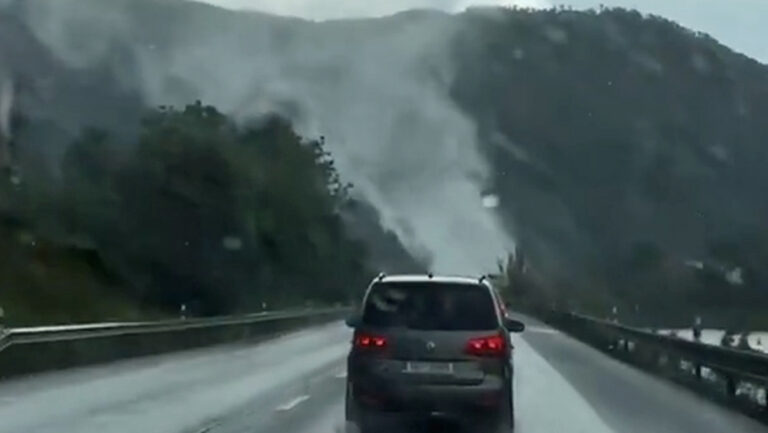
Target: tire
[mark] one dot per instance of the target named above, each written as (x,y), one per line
(500,421)
(499,425)
(355,419)
(350,427)
(360,425)
(505,421)
(350,413)
(511,407)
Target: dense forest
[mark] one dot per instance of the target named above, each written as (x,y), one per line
(627,153)
(199,211)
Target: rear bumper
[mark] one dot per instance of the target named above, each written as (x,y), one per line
(429,398)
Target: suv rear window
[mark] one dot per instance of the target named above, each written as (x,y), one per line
(430,306)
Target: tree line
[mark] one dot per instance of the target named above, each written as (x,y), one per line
(200,210)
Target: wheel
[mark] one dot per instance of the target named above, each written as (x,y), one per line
(351,427)
(511,415)
(350,413)
(360,425)
(504,422)
(498,425)
(511,400)
(348,410)
(354,417)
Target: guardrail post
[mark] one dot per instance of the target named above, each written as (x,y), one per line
(697,329)
(730,386)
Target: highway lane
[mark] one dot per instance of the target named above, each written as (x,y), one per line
(171,393)
(630,400)
(295,384)
(538,387)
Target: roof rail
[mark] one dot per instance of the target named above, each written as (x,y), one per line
(381,276)
(430,275)
(482,278)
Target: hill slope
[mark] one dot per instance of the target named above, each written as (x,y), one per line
(621,146)
(612,133)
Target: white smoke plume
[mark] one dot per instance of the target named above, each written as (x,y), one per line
(377,90)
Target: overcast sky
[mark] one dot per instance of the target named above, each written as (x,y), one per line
(740,24)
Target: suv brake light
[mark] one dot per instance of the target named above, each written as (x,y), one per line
(490,346)
(369,341)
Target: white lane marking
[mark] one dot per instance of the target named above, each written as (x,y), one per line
(541,330)
(292,404)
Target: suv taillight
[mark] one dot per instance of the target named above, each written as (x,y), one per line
(490,346)
(370,341)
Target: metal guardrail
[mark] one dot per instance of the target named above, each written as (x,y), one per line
(737,378)
(31,350)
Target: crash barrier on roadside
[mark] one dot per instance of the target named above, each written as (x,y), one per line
(734,377)
(33,350)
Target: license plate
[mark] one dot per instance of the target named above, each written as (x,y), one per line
(429,367)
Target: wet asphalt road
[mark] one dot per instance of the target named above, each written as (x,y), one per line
(295,384)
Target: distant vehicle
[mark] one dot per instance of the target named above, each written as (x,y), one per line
(429,346)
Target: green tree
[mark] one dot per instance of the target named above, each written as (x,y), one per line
(215,215)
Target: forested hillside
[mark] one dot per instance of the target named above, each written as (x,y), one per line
(627,154)
(200,211)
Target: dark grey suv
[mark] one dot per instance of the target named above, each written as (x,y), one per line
(427,346)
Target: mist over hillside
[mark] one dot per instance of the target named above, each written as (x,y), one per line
(605,135)
(377,90)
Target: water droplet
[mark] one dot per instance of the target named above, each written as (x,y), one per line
(490,201)
(232,243)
